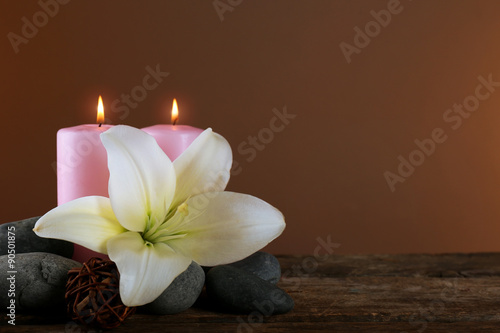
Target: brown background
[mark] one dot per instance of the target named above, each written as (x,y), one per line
(324,171)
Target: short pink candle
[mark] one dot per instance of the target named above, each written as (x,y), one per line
(173,139)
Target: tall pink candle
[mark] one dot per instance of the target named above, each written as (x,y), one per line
(82,167)
(84,170)
(82,162)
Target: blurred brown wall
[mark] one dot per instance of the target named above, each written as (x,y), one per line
(325,169)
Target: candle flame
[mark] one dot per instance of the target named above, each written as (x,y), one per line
(100,111)
(175,112)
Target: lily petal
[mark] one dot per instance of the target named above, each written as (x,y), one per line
(224,227)
(146,269)
(142,177)
(87,221)
(203,167)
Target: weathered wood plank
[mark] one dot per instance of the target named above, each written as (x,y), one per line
(337,327)
(382,293)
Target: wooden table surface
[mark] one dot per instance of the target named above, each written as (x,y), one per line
(346,293)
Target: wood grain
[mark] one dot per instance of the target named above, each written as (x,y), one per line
(348,293)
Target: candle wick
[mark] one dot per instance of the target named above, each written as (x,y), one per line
(175,122)
(100,124)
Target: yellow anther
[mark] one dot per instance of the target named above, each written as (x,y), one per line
(183,209)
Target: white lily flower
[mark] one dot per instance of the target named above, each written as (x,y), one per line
(161,215)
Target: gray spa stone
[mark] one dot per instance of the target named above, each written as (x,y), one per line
(36,281)
(238,291)
(181,294)
(27,241)
(262,264)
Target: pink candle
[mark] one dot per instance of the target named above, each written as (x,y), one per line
(82,167)
(83,163)
(173,139)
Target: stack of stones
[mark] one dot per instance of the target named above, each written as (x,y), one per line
(42,265)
